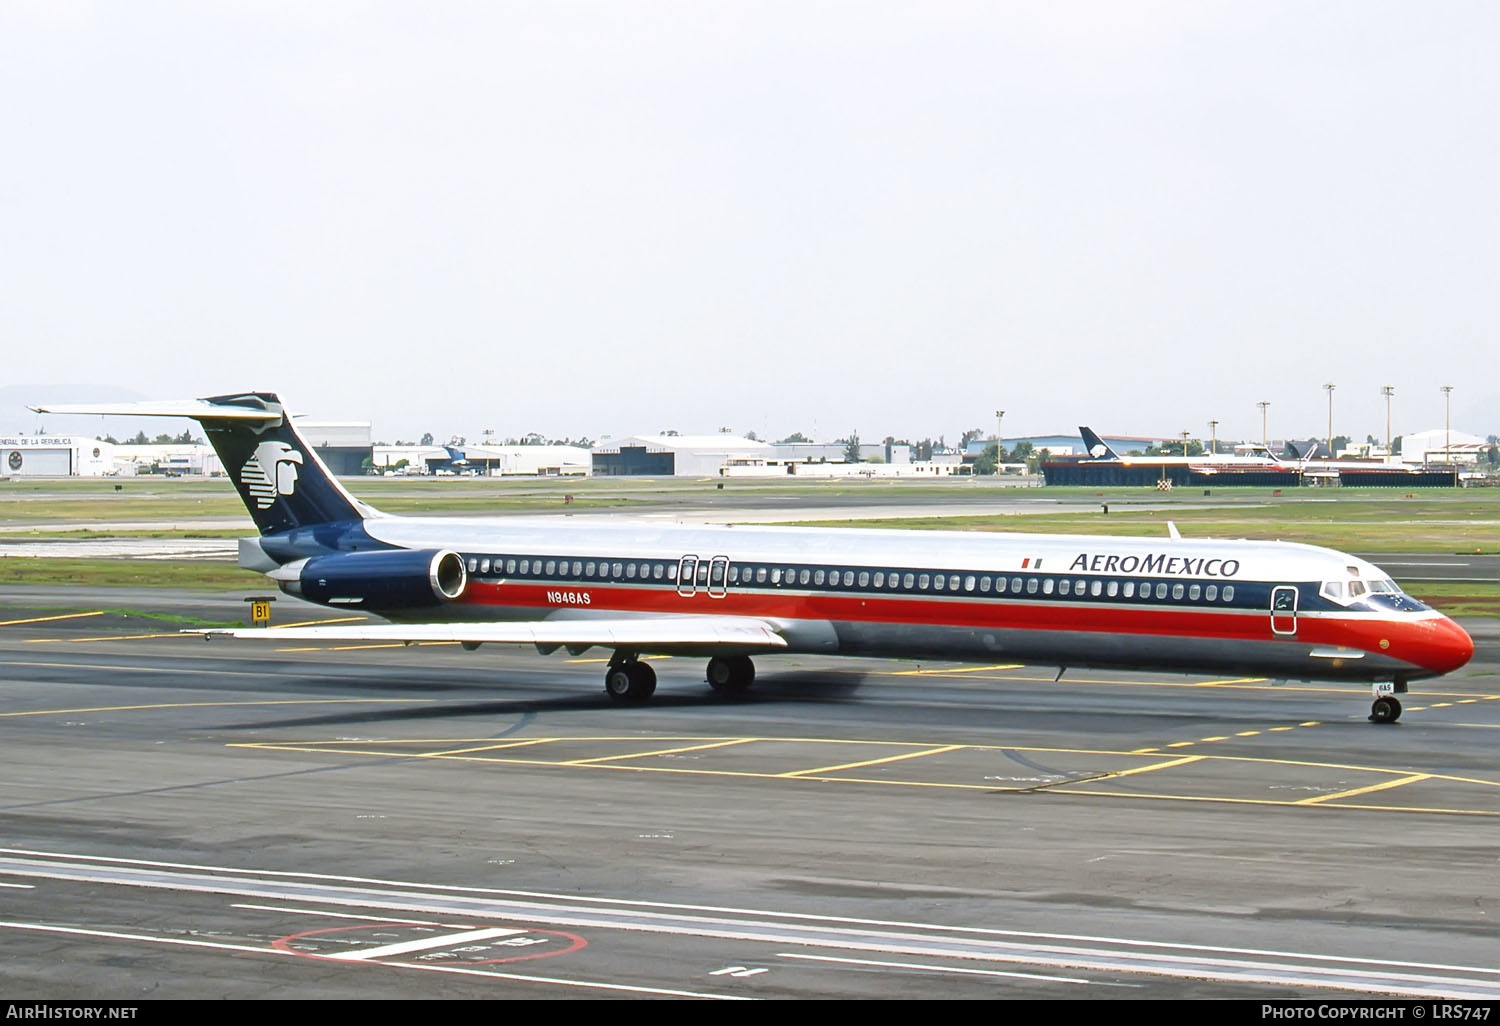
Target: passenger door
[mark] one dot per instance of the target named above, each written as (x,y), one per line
(1284,610)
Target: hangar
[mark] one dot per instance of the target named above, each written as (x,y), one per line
(676,455)
(55,456)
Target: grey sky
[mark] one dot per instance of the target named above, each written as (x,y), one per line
(620,217)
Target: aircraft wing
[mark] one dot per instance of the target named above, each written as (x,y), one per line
(647,634)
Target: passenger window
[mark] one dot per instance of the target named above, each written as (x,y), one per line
(806,576)
(1046,586)
(906,582)
(922,582)
(484,566)
(953,582)
(1211,592)
(984,585)
(1031,585)
(1161,590)
(510,566)
(969,583)
(551,567)
(1065,587)
(776,575)
(630,570)
(999,585)
(864,578)
(1129,589)
(937,582)
(618,569)
(1113,588)
(849,578)
(525,566)
(473,564)
(817,577)
(1096,588)
(880,578)
(1177,591)
(1015,585)
(1193,593)
(760,575)
(1228,593)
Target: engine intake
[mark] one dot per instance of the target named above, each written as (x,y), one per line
(384,578)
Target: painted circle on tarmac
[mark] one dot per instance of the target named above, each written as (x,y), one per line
(429,944)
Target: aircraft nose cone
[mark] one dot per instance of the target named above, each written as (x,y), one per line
(1448,647)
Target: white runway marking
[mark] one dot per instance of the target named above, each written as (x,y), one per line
(425,944)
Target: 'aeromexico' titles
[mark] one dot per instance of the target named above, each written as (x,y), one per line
(1183,566)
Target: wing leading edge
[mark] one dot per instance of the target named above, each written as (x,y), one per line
(688,634)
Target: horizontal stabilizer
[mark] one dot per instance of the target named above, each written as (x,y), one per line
(654,634)
(282,481)
(199,409)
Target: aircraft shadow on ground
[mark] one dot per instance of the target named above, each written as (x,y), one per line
(781,687)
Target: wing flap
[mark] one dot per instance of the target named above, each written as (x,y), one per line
(654,633)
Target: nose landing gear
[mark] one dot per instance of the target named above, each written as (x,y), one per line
(1387,707)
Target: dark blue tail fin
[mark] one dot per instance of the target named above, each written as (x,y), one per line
(1098,448)
(279,476)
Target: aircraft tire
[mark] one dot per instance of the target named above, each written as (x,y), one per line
(1385,710)
(630,682)
(730,675)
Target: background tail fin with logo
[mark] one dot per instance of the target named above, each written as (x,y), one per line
(1097,447)
(279,476)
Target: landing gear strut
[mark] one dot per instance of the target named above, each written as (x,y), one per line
(730,675)
(628,680)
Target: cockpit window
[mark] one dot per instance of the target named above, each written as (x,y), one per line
(1333,590)
(1356,589)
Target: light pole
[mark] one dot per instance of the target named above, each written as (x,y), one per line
(1330,389)
(999,418)
(1448,424)
(1265,439)
(1387,391)
(1213,446)
(1185,436)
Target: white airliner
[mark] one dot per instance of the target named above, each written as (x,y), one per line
(726,594)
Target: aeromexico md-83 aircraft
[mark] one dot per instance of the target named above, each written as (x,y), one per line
(727,594)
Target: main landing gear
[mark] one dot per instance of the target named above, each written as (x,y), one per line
(1387,707)
(630,681)
(730,675)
